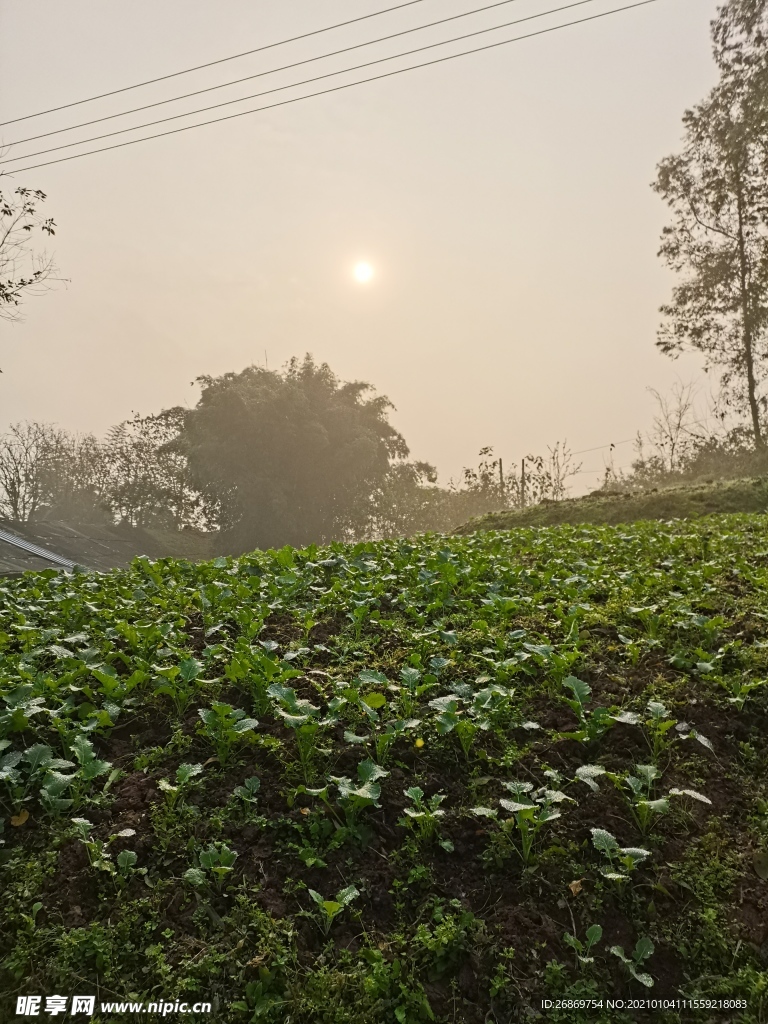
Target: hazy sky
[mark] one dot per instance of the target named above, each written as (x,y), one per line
(503,200)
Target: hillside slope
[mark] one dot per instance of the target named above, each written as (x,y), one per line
(396,782)
(684,502)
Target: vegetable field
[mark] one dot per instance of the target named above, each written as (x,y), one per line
(439,780)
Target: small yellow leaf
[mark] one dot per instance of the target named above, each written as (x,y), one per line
(20,818)
(304,810)
(419,743)
(575,886)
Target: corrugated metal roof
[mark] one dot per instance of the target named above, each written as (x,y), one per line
(43,544)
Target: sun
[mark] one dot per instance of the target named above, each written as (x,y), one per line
(363,273)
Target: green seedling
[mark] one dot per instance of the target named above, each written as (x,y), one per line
(36,767)
(354,799)
(657,727)
(330,909)
(634,962)
(184,775)
(180,683)
(99,856)
(531,810)
(224,726)
(249,790)
(424,815)
(622,859)
(30,920)
(637,790)
(592,724)
(260,667)
(385,739)
(582,949)
(304,718)
(217,860)
(414,686)
(465,713)
(740,689)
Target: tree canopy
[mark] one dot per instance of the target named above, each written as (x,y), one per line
(717,188)
(290,457)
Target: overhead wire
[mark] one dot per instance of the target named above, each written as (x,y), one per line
(324,92)
(601,447)
(213,63)
(296,85)
(274,71)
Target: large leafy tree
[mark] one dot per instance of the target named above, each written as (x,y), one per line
(290,458)
(717,189)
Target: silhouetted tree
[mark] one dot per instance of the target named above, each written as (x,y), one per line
(717,189)
(290,458)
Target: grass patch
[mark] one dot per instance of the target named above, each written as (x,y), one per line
(681,502)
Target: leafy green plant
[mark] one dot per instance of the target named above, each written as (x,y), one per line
(99,856)
(184,775)
(531,810)
(622,859)
(259,666)
(303,717)
(181,682)
(224,727)
(330,909)
(643,949)
(740,689)
(637,790)
(657,727)
(424,815)
(355,798)
(217,860)
(414,686)
(583,948)
(592,724)
(249,790)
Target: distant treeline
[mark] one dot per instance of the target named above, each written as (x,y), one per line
(266,458)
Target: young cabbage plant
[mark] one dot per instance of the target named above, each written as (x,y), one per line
(354,799)
(424,816)
(583,948)
(224,726)
(249,790)
(622,859)
(180,682)
(330,909)
(637,790)
(531,810)
(217,860)
(260,666)
(21,773)
(466,712)
(643,949)
(184,775)
(740,689)
(99,856)
(657,727)
(414,686)
(304,718)
(592,724)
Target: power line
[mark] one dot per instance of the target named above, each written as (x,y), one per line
(213,63)
(600,447)
(273,71)
(295,85)
(333,89)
